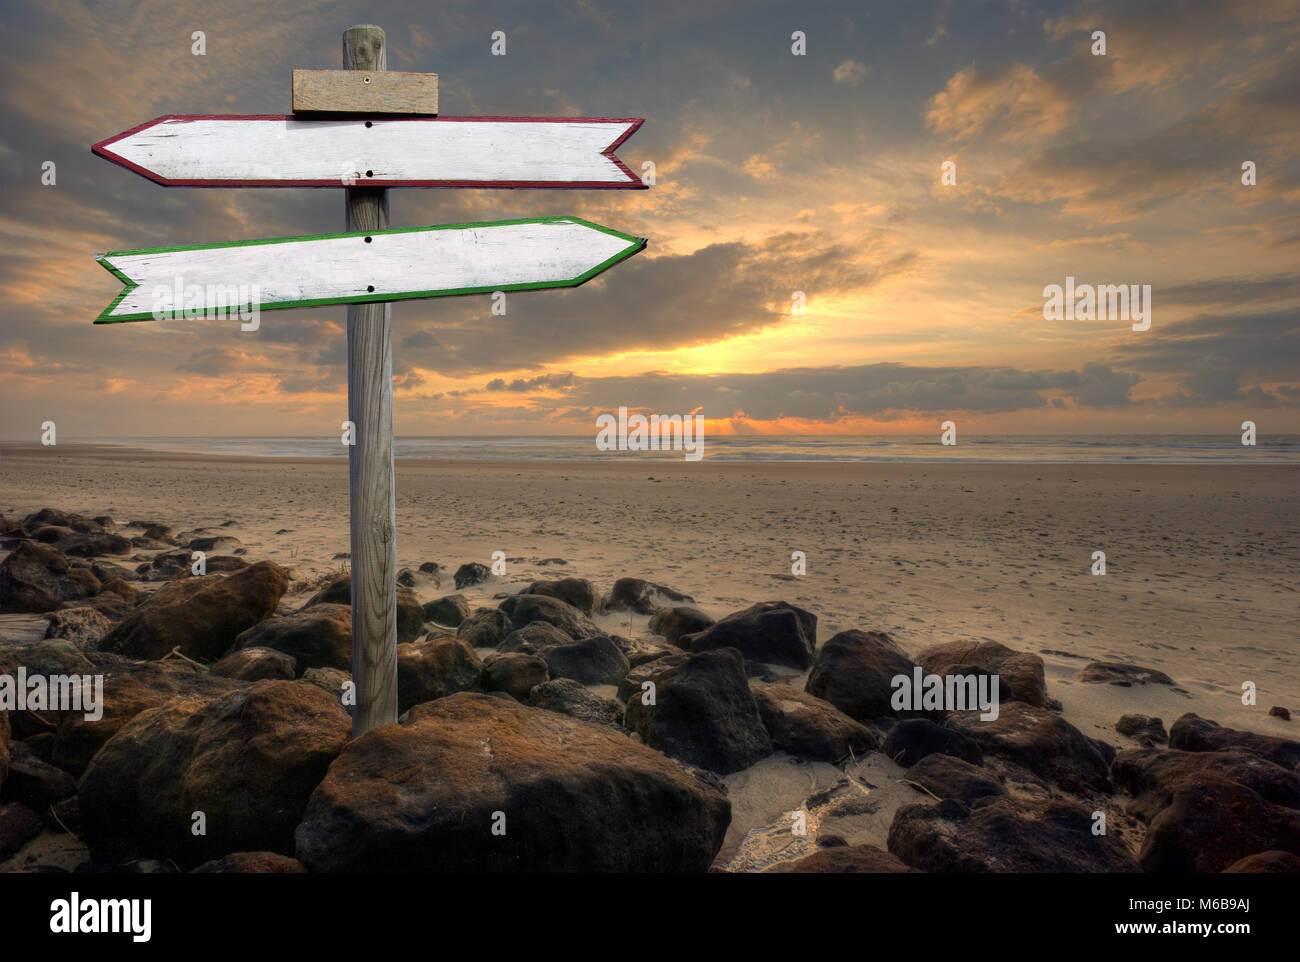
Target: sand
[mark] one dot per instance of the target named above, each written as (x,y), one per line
(1200,583)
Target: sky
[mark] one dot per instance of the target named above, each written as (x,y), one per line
(774,173)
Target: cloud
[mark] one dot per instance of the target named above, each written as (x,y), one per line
(1012,103)
(850,73)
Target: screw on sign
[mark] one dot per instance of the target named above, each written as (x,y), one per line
(365,130)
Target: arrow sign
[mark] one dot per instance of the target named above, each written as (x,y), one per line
(267,151)
(361,268)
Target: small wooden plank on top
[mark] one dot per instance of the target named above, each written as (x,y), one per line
(365,92)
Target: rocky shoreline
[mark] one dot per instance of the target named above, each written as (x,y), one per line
(536,737)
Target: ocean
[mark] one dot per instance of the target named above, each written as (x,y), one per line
(1192,449)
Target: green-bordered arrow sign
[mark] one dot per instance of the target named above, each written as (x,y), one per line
(358,268)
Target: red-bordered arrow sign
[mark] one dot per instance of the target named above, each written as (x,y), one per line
(184,150)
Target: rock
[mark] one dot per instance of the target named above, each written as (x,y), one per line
(950,777)
(211,545)
(634,681)
(410,615)
(1143,727)
(1266,862)
(485,628)
(93,544)
(1153,776)
(315,637)
(6,733)
(36,577)
(119,588)
(857,859)
(1193,733)
(154,532)
(252,863)
(1277,711)
(422,796)
(1022,671)
(1116,673)
(47,516)
(577,592)
(566,696)
(1002,834)
(247,759)
(638,651)
(255,664)
(808,727)
(771,632)
(1212,822)
(430,568)
(853,671)
(337,591)
(51,656)
(201,616)
(18,826)
(448,611)
(514,673)
(524,609)
(106,571)
(471,574)
(913,739)
(643,597)
(33,782)
(129,689)
(704,713)
(331,680)
(592,661)
(406,578)
(534,638)
(434,668)
(1040,741)
(84,627)
(676,622)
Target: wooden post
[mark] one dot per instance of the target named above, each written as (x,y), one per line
(370,462)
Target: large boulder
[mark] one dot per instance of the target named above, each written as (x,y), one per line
(485,628)
(201,616)
(93,544)
(410,613)
(913,739)
(1022,671)
(578,592)
(256,664)
(514,673)
(1003,834)
(471,574)
(771,632)
(946,776)
(643,597)
(248,760)
(634,681)
(1192,733)
(854,671)
(448,611)
(36,577)
(524,609)
(704,713)
(1040,741)
(534,638)
(1212,822)
(677,622)
(315,637)
(566,696)
(591,661)
(844,859)
(434,668)
(427,794)
(1266,863)
(808,727)
(84,626)
(34,782)
(1153,776)
(130,687)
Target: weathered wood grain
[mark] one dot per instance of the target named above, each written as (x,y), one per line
(370,459)
(364,92)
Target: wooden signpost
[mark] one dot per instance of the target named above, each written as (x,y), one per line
(366,130)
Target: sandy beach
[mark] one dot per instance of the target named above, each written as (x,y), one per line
(1200,581)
